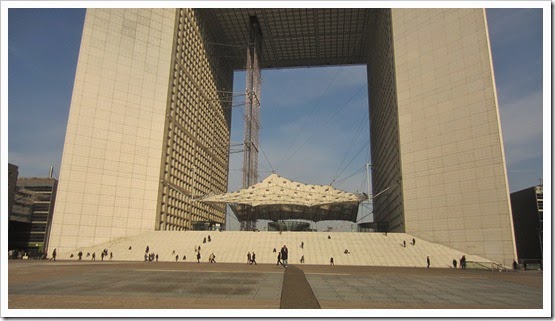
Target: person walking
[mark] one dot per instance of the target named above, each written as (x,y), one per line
(428,262)
(404,243)
(80,255)
(249,258)
(93,256)
(198,257)
(54,255)
(331,261)
(463,262)
(156,257)
(279,258)
(284,255)
(253,258)
(454,263)
(302,259)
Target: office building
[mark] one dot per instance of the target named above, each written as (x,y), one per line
(527,206)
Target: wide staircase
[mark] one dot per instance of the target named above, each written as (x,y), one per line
(369,249)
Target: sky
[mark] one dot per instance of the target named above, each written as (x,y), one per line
(314,120)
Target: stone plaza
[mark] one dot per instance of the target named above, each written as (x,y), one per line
(169,285)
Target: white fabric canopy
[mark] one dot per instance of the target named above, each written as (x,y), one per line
(274,190)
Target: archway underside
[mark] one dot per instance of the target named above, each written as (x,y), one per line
(297,37)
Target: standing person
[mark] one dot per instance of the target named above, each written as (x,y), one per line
(302,259)
(80,255)
(102,256)
(156,257)
(279,258)
(302,245)
(111,256)
(428,262)
(331,261)
(198,257)
(404,243)
(284,255)
(413,242)
(463,262)
(93,256)
(454,263)
(249,258)
(253,258)
(147,249)
(176,257)
(54,255)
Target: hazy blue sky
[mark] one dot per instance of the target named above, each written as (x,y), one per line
(314,120)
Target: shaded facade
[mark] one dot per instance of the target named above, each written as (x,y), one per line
(32,212)
(149,122)
(13,173)
(527,206)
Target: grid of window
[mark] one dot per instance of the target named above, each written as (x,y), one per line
(384,127)
(198,128)
(299,36)
(35,202)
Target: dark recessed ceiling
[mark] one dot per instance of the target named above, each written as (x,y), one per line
(295,37)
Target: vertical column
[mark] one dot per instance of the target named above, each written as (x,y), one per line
(455,189)
(252,111)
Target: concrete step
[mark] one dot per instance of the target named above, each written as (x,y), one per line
(370,249)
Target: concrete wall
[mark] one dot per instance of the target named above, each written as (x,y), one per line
(453,166)
(109,177)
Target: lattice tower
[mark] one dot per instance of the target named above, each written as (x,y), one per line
(252,112)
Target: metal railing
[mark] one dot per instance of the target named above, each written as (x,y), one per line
(489,266)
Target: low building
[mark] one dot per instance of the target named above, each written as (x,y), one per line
(527,205)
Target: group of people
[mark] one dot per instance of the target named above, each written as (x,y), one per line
(462,262)
(251,258)
(405,242)
(283,255)
(150,256)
